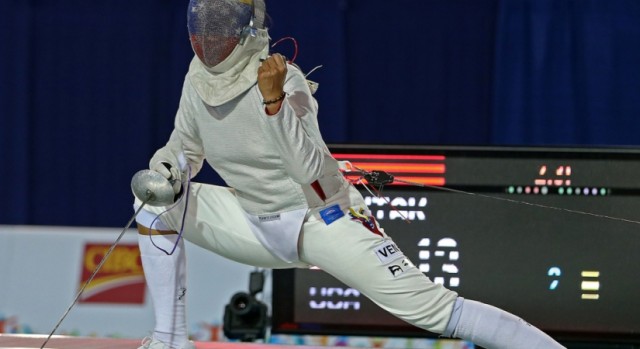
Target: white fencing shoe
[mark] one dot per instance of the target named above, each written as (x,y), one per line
(150,343)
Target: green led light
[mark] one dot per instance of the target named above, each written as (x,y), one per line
(511,190)
(561,191)
(569,191)
(603,191)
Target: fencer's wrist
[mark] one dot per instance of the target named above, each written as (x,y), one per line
(273,109)
(272,106)
(274,100)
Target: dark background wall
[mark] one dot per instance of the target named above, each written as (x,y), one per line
(88,89)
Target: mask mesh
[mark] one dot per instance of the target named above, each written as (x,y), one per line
(217,26)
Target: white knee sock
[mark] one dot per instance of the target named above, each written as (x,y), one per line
(166,279)
(493,328)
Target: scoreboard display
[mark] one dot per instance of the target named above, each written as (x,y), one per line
(549,234)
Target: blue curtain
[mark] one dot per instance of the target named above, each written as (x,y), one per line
(420,72)
(88,89)
(567,73)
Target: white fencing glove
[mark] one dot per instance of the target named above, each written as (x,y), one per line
(171,173)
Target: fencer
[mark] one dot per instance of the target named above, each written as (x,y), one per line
(252,117)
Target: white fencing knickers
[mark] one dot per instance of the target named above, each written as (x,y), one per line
(352,248)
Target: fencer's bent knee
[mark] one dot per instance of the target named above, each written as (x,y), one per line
(150,224)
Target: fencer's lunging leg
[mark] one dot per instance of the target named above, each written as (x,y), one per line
(166,279)
(493,328)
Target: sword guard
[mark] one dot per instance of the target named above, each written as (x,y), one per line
(152,187)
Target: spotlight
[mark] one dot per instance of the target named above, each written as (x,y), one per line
(245,317)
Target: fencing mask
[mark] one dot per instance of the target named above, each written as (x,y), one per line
(216,27)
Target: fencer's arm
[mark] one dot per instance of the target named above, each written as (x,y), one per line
(294,129)
(184,146)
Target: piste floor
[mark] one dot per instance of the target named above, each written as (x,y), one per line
(63,342)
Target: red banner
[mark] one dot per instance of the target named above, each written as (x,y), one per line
(121,278)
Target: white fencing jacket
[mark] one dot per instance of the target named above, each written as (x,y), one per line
(270,161)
